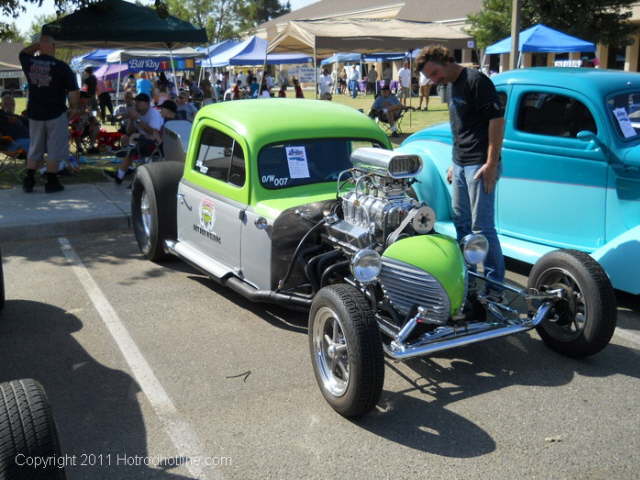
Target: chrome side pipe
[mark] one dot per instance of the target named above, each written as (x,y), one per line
(450,338)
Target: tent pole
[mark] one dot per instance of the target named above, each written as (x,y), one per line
(173,68)
(118,85)
(410,85)
(315,71)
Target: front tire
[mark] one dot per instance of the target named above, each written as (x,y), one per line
(27,430)
(154,207)
(582,322)
(346,350)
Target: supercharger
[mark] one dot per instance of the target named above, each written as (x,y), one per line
(381,206)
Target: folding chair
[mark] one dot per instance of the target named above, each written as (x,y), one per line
(383,122)
(12,161)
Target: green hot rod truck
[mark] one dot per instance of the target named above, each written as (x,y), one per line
(303,203)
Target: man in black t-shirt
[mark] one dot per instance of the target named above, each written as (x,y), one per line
(90,83)
(51,82)
(477,126)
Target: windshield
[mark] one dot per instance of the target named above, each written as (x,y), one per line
(625,114)
(302,162)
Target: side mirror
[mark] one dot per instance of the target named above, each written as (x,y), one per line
(587,135)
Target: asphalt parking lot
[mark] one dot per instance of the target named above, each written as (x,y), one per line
(155,372)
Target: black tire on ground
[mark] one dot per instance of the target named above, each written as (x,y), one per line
(159,181)
(1,283)
(364,356)
(27,430)
(584,322)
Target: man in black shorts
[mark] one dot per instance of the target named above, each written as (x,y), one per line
(51,82)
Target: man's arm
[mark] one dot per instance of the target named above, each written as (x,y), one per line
(496,135)
(30,49)
(74,102)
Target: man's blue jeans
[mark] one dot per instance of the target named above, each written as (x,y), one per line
(353,85)
(473,211)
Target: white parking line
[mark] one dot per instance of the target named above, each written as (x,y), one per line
(628,335)
(182,435)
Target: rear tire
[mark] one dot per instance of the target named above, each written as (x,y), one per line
(154,207)
(346,350)
(27,430)
(584,321)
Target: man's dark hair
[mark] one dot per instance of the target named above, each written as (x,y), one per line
(436,54)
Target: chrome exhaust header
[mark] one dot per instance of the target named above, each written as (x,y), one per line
(444,338)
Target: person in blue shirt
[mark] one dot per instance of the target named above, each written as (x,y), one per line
(387,108)
(144,85)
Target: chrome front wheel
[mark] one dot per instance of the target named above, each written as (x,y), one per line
(330,351)
(346,350)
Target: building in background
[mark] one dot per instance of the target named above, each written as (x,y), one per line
(11,75)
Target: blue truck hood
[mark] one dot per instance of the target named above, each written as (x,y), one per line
(440,132)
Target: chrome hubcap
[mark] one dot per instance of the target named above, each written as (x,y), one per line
(330,351)
(570,314)
(145,214)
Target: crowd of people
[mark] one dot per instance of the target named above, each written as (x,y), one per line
(60,111)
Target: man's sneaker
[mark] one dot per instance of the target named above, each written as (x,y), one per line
(28,183)
(395,134)
(53,187)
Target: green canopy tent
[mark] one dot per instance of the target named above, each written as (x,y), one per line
(120,24)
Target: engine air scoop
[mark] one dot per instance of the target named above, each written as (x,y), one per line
(386,163)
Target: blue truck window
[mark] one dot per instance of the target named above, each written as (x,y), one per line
(545,113)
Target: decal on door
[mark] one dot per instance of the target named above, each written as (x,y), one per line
(207,217)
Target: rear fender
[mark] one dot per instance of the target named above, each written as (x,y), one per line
(620,258)
(432,186)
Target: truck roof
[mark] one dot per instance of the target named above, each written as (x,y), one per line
(264,121)
(588,80)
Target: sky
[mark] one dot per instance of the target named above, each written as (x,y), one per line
(24,21)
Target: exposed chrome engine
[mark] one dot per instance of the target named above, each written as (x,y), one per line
(379,208)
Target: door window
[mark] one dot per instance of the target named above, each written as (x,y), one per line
(556,115)
(220,157)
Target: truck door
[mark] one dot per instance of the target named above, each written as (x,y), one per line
(213,195)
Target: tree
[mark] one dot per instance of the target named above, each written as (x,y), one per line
(599,21)
(219,17)
(12,34)
(255,12)
(14,8)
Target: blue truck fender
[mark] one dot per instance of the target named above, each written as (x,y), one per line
(621,260)
(432,187)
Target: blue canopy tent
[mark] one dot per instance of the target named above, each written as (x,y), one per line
(342,58)
(252,51)
(543,39)
(215,50)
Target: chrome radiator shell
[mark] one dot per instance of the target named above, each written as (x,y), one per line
(406,286)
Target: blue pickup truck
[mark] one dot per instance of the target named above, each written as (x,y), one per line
(570,168)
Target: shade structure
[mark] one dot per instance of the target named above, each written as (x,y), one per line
(324,37)
(111,70)
(215,49)
(118,24)
(541,38)
(342,58)
(119,56)
(98,56)
(252,51)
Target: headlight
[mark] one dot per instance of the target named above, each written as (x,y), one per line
(475,248)
(366,265)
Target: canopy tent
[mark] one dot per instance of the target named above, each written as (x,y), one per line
(111,70)
(121,56)
(541,38)
(369,57)
(324,37)
(95,58)
(251,51)
(116,23)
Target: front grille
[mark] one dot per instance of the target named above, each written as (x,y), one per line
(407,286)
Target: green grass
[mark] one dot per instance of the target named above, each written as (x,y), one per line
(11,173)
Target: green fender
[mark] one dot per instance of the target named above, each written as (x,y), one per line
(437,255)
